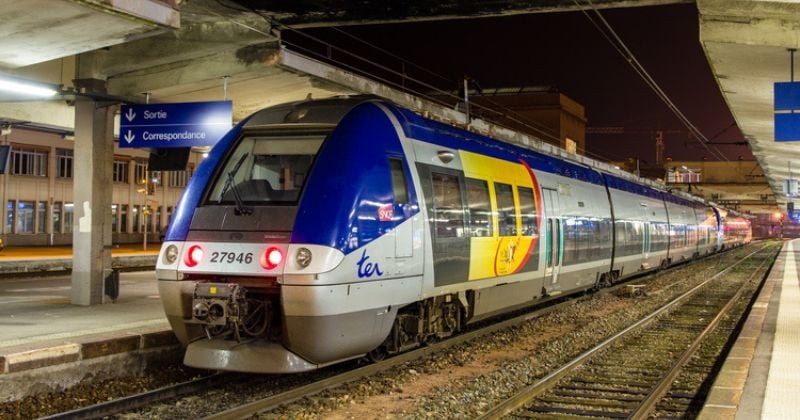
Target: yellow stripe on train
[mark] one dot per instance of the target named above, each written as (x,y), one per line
(494,255)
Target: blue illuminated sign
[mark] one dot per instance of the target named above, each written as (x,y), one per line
(174,124)
(787,98)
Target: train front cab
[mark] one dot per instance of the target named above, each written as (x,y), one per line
(266,279)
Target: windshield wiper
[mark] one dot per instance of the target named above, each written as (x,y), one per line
(241,208)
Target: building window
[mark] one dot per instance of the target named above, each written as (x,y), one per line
(123,218)
(136,213)
(114,218)
(57,217)
(26,161)
(121,171)
(68,217)
(9,216)
(140,172)
(178,179)
(169,217)
(25,217)
(41,217)
(153,180)
(157,219)
(64,163)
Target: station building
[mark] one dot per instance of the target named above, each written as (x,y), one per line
(37,189)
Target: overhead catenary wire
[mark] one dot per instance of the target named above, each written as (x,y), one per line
(525,122)
(618,44)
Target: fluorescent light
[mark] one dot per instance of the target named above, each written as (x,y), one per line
(26,88)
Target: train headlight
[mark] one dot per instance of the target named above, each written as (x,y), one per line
(171,254)
(193,256)
(271,258)
(303,257)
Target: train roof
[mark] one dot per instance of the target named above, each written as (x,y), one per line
(542,156)
(315,112)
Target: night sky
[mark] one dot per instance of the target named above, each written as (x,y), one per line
(566,51)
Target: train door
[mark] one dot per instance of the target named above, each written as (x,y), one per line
(403,234)
(450,241)
(553,236)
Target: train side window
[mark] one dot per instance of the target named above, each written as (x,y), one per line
(399,185)
(527,211)
(506,212)
(480,209)
(448,206)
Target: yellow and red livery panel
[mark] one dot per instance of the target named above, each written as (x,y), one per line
(497,255)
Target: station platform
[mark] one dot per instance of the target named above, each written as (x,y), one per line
(48,343)
(15,260)
(761,376)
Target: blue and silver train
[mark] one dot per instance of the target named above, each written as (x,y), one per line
(326,230)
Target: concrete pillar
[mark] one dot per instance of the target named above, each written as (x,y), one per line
(92,177)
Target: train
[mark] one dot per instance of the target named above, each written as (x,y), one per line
(327,230)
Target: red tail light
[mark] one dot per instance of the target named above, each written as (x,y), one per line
(271,258)
(193,256)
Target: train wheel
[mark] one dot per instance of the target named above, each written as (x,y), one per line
(377,354)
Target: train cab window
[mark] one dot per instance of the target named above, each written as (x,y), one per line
(480,209)
(448,207)
(399,186)
(527,210)
(506,212)
(266,169)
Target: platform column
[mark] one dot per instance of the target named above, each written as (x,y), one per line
(92,190)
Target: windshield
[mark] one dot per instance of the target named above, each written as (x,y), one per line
(266,169)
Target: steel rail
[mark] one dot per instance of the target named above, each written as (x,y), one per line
(144,399)
(275,401)
(278,400)
(647,405)
(138,401)
(519,399)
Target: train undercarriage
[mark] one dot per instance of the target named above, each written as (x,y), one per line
(241,311)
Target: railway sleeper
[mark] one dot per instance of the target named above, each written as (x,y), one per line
(608,395)
(596,388)
(595,402)
(577,412)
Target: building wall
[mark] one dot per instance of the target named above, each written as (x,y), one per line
(535,112)
(542,112)
(37,206)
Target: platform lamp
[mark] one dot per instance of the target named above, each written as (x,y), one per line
(27,87)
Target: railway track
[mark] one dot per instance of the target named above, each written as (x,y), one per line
(630,375)
(286,390)
(134,402)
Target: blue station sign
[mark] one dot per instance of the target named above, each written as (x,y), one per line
(787,98)
(186,124)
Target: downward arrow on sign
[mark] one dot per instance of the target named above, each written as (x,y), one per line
(129,137)
(130,115)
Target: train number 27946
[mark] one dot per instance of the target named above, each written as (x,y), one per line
(232,257)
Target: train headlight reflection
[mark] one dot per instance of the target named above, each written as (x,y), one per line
(171,254)
(303,257)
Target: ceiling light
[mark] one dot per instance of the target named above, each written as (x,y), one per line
(27,88)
